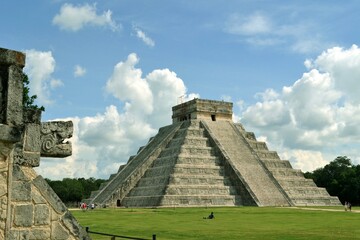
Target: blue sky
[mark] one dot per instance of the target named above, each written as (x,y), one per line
(291,68)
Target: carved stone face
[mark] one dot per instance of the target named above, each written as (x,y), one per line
(52,139)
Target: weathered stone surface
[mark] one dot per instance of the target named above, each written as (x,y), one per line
(32,137)
(32,116)
(18,174)
(49,194)
(14,108)
(29,208)
(21,191)
(9,134)
(3,185)
(19,234)
(53,135)
(41,214)
(30,159)
(8,57)
(36,197)
(58,232)
(23,215)
(40,234)
(72,224)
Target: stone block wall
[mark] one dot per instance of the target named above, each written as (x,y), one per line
(29,208)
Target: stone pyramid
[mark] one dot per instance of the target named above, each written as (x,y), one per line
(204,159)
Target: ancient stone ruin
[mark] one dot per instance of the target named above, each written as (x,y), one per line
(204,159)
(29,208)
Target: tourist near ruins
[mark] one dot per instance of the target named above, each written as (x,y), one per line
(201,159)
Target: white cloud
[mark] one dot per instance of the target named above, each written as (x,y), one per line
(39,67)
(54,83)
(73,18)
(141,35)
(315,117)
(103,142)
(262,29)
(127,84)
(343,65)
(253,24)
(79,71)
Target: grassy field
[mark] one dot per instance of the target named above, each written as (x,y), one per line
(229,223)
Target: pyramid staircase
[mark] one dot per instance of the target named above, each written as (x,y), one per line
(301,191)
(204,161)
(186,173)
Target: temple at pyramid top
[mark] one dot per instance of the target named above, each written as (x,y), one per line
(202,109)
(205,159)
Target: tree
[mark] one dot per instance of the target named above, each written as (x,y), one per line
(340,178)
(73,190)
(28,101)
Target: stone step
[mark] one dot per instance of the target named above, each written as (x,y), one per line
(191,131)
(94,193)
(185,159)
(199,160)
(193,141)
(256,145)
(316,201)
(182,201)
(147,190)
(306,191)
(286,172)
(148,181)
(182,190)
(188,150)
(142,201)
(211,200)
(219,189)
(166,170)
(102,185)
(250,136)
(198,169)
(276,163)
(295,182)
(266,154)
(183,179)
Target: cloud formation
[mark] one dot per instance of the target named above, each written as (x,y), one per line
(103,142)
(261,29)
(143,37)
(317,117)
(310,122)
(40,67)
(79,71)
(74,18)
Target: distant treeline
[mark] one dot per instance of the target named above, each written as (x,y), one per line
(340,178)
(72,190)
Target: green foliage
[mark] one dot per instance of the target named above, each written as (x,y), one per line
(28,101)
(229,223)
(340,178)
(74,190)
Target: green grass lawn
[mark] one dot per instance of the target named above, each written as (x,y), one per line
(229,223)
